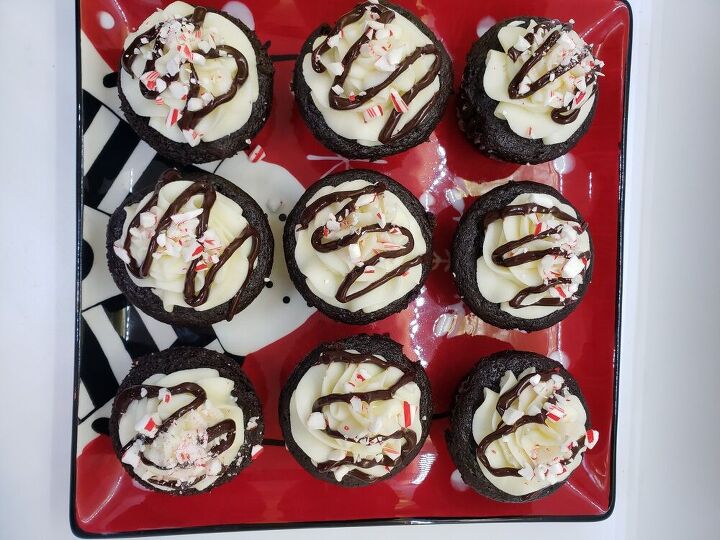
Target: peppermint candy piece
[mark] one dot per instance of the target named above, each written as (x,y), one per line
(398,103)
(336,68)
(374,111)
(316,421)
(121,252)
(336,455)
(526,472)
(192,137)
(355,253)
(210,239)
(257,154)
(195,104)
(148,425)
(178,90)
(172,117)
(511,415)
(164,395)
(591,438)
(186,216)
(132,456)
(356,404)
(554,412)
(149,79)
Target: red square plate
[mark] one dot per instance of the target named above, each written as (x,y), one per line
(278,329)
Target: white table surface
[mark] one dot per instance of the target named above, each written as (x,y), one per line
(668,465)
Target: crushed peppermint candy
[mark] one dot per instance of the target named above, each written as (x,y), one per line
(172,117)
(256,450)
(316,420)
(195,104)
(336,68)
(398,103)
(591,438)
(121,252)
(554,412)
(257,154)
(191,136)
(178,90)
(356,403)
(408,414)
(374,111)
(511,415)
(164,395)
(148,425)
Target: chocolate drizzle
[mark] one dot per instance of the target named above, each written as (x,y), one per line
(188,120)
(343,293)
(409,436)
(192,297)
(503,403)
(516,259)
(565,114)
(223,432)
(384,15)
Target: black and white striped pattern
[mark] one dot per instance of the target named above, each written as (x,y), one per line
(112,331)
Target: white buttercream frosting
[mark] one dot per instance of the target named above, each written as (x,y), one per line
(185,449)
(359,421)
(324,272)
(535,449)
(500,284)
(215,75)
(529,117)
(180,247)
(390,44)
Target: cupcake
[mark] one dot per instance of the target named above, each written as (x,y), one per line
(185,420)
(358,246)
(519,427)
(522,257)
(356,411)
(529,90)
(192,251)
(195,83)
(375,83)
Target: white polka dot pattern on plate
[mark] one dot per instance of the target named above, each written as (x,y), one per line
(484,25)
(106,20)
(241,11)
(564,164)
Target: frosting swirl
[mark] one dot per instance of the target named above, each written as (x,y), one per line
(189,243)
(181,430)
(358,246)
(355,414)
(531,434)
(192,72)
(545,80)
(535,255)
(374,76)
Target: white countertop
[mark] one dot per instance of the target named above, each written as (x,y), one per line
(668,439)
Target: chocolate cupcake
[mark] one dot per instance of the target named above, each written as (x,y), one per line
(356,411)
(185,421)
(358,246)
(519,427)
(529,90)
(195,83)
(193,251)
(522,257)
(374,84)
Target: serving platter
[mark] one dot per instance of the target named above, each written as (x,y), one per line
(279,328)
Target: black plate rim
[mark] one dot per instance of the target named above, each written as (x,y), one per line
(78,531)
